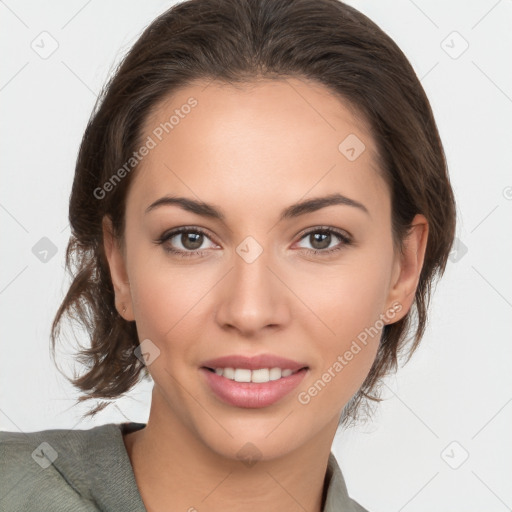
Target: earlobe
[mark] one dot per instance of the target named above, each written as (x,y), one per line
(409,266)
(117,267)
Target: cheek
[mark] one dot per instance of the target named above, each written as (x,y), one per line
(345,355)
(167,298)
(347,298)
(348,303)
(154,291)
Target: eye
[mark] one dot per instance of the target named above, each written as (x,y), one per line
(185,241)
(323,240)
(188,241)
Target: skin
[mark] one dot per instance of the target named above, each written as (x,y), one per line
(252,151)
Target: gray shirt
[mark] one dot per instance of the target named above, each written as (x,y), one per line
(89,470)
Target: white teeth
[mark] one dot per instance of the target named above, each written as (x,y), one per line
(242,375)
(275,373)
(259,375)
(229,373)
(262,375)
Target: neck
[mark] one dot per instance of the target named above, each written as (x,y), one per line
(175,471)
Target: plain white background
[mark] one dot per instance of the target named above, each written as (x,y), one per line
(441,439)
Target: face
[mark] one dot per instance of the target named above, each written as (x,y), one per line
(251,274)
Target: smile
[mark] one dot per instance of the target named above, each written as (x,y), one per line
(258,375)
(246,388)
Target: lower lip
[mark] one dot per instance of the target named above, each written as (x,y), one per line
(252,394)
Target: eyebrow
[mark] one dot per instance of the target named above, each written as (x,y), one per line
(292,211)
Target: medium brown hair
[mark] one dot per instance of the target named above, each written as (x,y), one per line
(237,41)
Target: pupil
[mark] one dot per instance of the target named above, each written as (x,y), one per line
(325,240)
(191,240)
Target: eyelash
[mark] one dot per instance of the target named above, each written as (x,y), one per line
(345,241)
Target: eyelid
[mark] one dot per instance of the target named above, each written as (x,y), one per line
(345,237)
(337,231)
(300,235)
(171,233)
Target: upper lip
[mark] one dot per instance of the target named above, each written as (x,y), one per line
(254,363)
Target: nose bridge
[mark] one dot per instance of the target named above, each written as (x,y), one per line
(252,298)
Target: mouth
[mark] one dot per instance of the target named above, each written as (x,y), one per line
(258,376)
(246,388)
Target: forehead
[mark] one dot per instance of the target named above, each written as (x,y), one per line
(248,144)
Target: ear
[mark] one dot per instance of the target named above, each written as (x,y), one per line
(407,267)
(117,266)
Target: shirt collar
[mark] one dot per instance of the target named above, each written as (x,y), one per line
(337,498)
(96,465)
(110,481)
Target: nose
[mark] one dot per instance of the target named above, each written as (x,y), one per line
(252,298)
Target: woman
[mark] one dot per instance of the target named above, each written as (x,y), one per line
(260,206)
